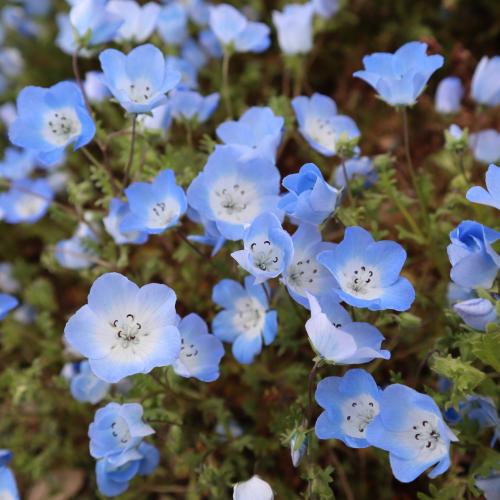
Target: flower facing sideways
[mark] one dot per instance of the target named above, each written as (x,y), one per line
(7,303)
(491,195)
(85,386)
(253,489)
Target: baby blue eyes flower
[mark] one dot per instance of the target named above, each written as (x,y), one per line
(187,70)
(320,125)
(232,193)
(367,272)
(401,77)
(17,163)
(474,262)
(200,353)
(337,339)
(486,81)
(310,198)
(295,29)
(173,23)
(356,167)
(411,428)
(245,320)
(268,248)
(112,222)
(212,235)
(490,486)
(491,195)
(51,119)
(140,79)
(449,93)
(124,329)
(192,106)
(7,303)
(8,486)
(257,134)
(86,387)
(154,207)
(94,87)
(255,488)
(350,402)
(139,22)
(326,8)
(485,145)
(74,253)
(476,313)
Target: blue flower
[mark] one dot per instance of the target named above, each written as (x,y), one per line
(310,198)
(257,134)
(159,120)
(326,8)
(200,352)
(8,486)
(411,428)
(486,81)
(154,207)
(74,253)
(139,22)
(192,106)
(51,119)
(320,125)
(367,272)
(255,488)
(140,79)
(474,262)
(491,195)
(456,293)
(86,387)
(356,167)
(26,201)
(490,486)
(268,248)
(17,163)
(295,28)
(212,235)
(304,273)
(124,329)
(245,321)
(485,145)
(7,303)
(476,313)
(233,30)
(8,282)
(193,53)
(337,339)
(350,402)
(118,210)
(173,23)
(210,43)
(94,87)
(232,193)
(188,72)
(401,77)
(449,93)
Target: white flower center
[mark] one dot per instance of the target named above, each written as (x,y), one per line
(426,435)
(61,126)
(266,256)
(249,316)
(128,332)
(357,413)
(120,431)
(321,131)
(140,91)
(361,281)
(163,214)
(29,205)
(302,274)
(234,201)
(188,350)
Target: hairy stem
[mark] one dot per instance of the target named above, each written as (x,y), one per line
(132,150)
(226,92)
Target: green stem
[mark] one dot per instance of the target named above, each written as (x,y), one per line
(226,92)
(132,150)
(461,166)
(347,182)
(76,72)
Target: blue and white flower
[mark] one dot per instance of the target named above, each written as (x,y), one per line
(476,313)
(295,28)
(94,87)
(172,23)
(7,303)
(486,81)
(359,166)
(449,93)
(8,486)
(326,8)
(74,253)
(86,387)
(253,488)
(17,163)
(139,21)
(211,237)
(188,105)
(118,210)
(491,195)
(485,145)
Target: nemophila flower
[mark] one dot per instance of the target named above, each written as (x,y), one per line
(17,19)
(75,252)
(490,486)
(8,113)
(411,428)
(228,430)
(200,353)
(310,198)
(235,31)
(232,193)
(211,237)
(350,402)
(356,167)
(401,77)
(154,207)
(491,195)
(8,282)
(124,329)
(112,222)
(245,320)
(140,79)
(336,338)
(159,120)
(210,43)
(253,489)
(295,29)
(94,87)
(173,23)
(139,21)
(267,248)
(320,125)
(325,8)
(192,52)
(456,293)
(304,273)
(367,272)
(476,313)
(11,62)
(474,262)
(65,39)
(17,163)
(50,119)
(8,486)
(86,387)
(198,11)
(191,106)
(257,134)
(297,452)
(485,146)
(449,93)
(26,201)
(187,70)
(7,303)
(486,81)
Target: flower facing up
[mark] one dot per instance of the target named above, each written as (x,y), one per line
(86,387)
(173,23)
(268,248)
(474,262)
(139,22)
(8,486)
(476,313)
(257,134)
(50,119)
(411,428)
(449,93)
(235,32)
(350,402)
(361,166)
(140,79)
(401,77)
(486,81)
(320,125)
(74,253)
(200,353)
(491,195)
(245,320)
(112,222)
(190,106)
(295,28)
(253,489)
(367,272)
(124,329)
(305,274)
(7,303)
(337,339)
(485,145)
(310,198)
(232,193)
(154,207)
